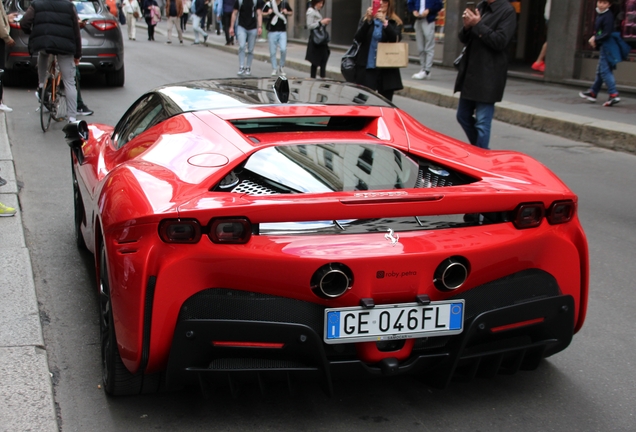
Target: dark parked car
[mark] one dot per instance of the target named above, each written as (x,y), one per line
(102,43)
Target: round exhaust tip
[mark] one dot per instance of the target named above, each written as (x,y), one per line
(331,280)
(451,273)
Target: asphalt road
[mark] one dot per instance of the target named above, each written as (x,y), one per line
(588,387)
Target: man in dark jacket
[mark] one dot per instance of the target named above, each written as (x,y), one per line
(53,27)
(603,28)
(483,70)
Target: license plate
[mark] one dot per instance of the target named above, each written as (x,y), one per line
(394,321)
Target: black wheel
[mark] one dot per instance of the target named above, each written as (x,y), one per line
(45,104)
(117,78)
(117,380)
(78,207)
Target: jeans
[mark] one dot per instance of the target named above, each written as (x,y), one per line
(277,39)
(198,31)
(476,120)
(243,35)
(66,63)
(604,74)
(425,39)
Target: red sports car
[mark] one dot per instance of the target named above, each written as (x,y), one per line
(260,229)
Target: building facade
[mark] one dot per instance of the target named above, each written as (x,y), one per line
(571,23)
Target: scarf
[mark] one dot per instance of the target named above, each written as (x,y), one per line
(277,13)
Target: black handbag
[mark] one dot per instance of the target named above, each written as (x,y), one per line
(348,62)
(320,35)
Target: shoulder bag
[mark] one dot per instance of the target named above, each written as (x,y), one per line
(320,35)
(348,62)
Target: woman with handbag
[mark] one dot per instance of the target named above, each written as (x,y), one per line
(318,44)
(133,12)
(382,27)
(149,16)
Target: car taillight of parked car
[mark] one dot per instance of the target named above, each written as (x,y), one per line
(530,215)
(104,25)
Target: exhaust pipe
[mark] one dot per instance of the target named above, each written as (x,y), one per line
(331,280)
(451,273)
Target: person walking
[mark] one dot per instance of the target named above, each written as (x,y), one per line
(5,41)
(226,19)
(279,10)
(186,5)
(149,17)
(425,13)
(384,26)
(132,11)
(174,10)
(248,17)
(483,69)
(200,10)
(603,28)
(316,54)
(53,28)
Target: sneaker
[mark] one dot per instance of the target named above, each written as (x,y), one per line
(281,71)
(195,43)
(205,38)
(169,42)
(181,42)
(241,71)
(420,75)
(538,66)
(6,211)
(613,100)
(248,71)
(38,93)
(274,72)
(5,108)
(83,110)
(589,95)
(428,75)
(72,119)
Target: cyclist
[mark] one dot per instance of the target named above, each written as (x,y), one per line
(53,26)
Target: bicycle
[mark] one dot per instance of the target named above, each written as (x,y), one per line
(52,97)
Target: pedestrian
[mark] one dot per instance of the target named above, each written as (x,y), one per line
(200,10)
(218,13)
(603,28)
(316,54)
(425,13)
(53,28)
(5,41)
(277,32)
(248,17)
(384,26)
(226,19)
(174,10)
(133,11)
(483,69)
(186,4)
(539,64)
(149,17)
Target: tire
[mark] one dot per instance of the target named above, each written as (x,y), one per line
(78,206)
(117,380)
(45,104)
(117,78)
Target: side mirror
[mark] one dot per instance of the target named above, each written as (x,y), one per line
(76,134)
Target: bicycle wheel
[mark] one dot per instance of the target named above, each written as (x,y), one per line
(45,104)
(59,110)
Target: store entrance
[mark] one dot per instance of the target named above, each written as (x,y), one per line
(531,33)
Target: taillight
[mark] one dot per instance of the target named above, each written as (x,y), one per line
(528,215)
(104,25)
(230,230)
(180,231)
(560,212)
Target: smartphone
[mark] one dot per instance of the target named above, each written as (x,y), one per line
(376,7)
(470,5)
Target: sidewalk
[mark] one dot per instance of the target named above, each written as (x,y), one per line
(26,394)
(530,103)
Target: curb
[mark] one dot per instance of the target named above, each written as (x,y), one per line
(26,391)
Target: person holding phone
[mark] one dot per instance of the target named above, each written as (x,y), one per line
(425,13)
(317,55)
(483,69)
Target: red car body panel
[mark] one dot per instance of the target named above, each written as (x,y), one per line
(169,170)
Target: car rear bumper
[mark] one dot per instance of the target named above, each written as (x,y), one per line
(90,62)
(510,324)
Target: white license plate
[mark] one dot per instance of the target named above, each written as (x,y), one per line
(394,321)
